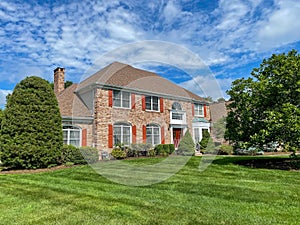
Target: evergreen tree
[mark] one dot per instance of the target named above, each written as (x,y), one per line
(186,145)
(31,134)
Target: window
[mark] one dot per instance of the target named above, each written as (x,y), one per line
(72,135)
(199,110)
(152,103)
(121,99)
(177,113)
(122,133)
(152,134)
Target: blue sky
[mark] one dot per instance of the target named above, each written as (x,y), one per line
(230,36)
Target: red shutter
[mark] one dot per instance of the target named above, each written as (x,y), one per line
(84,137)
(204,109)
(162,131)
(134,134)
(161,105)
(143,103)
(110,136)
(132,101)
(144,134)
(110,98)
(193,109)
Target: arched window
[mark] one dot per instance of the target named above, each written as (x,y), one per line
(177,113)
(72,135)
(176,106)
(153,134)
(122,133)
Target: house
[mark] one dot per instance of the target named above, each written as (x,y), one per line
(123,104)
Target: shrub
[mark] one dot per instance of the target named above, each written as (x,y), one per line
(90,154)
(71,154)
(31,132)
(171,148)
(159,149)
(139,149)
(118,153)
(225,150)
(186,145)
(205,139)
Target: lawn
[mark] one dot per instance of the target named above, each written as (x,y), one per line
(225,193)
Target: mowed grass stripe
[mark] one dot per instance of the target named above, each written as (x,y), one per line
(225,193)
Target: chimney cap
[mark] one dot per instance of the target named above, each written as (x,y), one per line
(59,69)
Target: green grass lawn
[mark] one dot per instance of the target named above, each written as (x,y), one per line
(225,193)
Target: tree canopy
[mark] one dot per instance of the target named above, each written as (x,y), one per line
(264,108)
(31,134)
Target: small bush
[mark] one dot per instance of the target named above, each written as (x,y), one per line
(226,150)
(90,154)
(186,145)
(118,153)
(159,149)
(139,149)
(72,154)
(171,148)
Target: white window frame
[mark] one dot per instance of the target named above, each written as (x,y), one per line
(121,99)
(152,103)
(198,110)
(150,138)
(122,126)
(71,128)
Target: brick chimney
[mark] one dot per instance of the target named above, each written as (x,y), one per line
(59,80)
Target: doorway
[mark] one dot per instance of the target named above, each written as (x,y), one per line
(177,134)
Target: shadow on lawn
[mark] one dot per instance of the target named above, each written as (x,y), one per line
(261,162)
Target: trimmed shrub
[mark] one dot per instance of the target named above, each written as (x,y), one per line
(71,154)
(118,153)
(171,148)
(139,149)
(31,133)
(205,139)
(225,150)
(186,145)
(159,149)
(90,154)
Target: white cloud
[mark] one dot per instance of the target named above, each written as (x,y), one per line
(282,27)
(3,94)
(207,85)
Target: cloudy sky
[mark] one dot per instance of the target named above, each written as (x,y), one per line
(231,37)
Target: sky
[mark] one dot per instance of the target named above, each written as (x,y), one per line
(231,37)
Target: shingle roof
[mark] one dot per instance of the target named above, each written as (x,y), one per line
(125,76)
(70,104)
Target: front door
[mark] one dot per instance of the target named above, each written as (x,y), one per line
(176,136)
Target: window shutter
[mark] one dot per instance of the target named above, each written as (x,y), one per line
(193,109)
(204,109)
(134,134)
(110,98)
(162,131)
(144,134)
(143,103)
(161,105)
(132,101)
(84,137)
(110,136)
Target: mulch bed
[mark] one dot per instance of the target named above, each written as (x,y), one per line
(34,171)
(276,163)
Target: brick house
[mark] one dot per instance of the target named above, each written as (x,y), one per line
(123,104)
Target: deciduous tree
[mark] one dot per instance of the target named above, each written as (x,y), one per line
(266,107)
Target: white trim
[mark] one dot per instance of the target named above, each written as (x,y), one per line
(75,128)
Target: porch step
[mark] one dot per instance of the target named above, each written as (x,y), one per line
(198,154)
